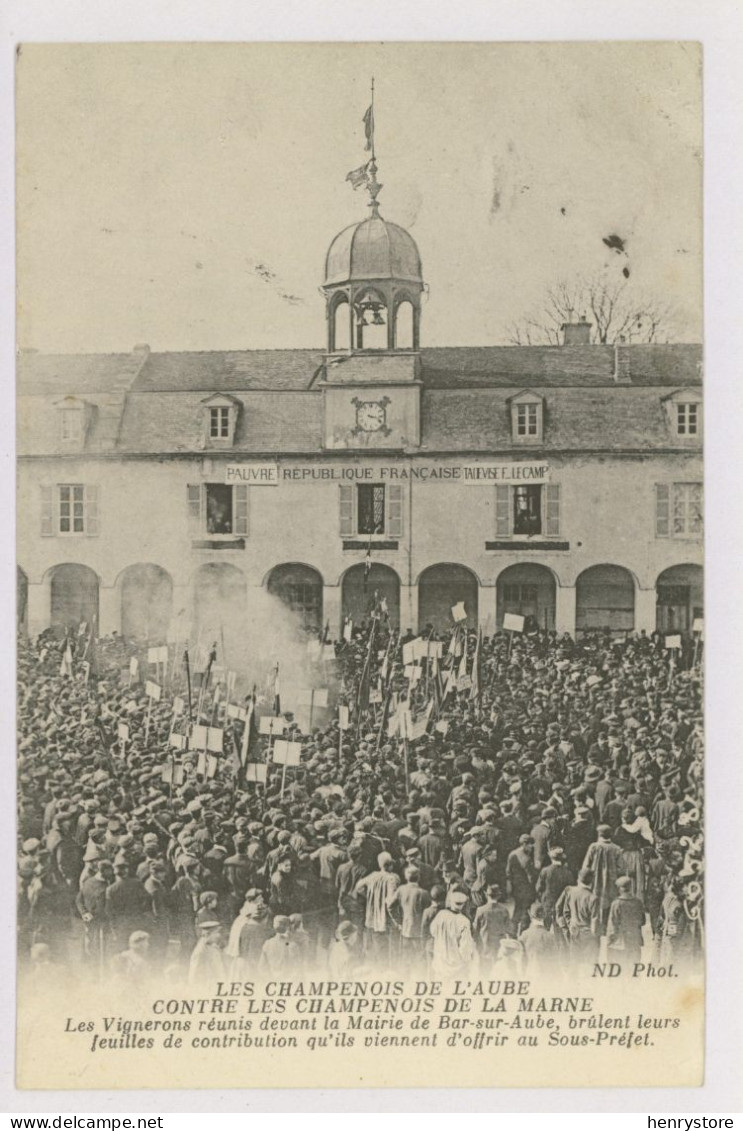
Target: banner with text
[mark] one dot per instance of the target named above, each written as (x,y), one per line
(270,475)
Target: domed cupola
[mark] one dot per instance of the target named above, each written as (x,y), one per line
(373,281)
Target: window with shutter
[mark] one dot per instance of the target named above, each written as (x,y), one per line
(394,510)
(662,510)
(347,499)
(552,509)
(502,511)
(241,508)
(47,511)
(91,511)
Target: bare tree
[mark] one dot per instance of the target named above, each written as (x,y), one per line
(614,309)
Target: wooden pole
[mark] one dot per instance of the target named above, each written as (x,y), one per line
(147,720)
(696,649)
(188,683)
(407,767)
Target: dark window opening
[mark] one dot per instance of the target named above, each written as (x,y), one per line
(527,515)
(687,419)
(218,508)
(520,595)
(370,509)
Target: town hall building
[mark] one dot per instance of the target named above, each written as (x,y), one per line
(563,483)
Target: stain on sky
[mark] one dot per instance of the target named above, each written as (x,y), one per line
(618,245)
(264,273)
(615,243)
(272,280)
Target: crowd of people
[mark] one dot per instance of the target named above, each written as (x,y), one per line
(541,806)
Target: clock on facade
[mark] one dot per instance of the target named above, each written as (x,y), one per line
(371,416)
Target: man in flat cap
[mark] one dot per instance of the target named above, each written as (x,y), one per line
(127,904)
(551,883)
(577,914)
(492,923)
(624,927)
(522,877)
(207,964)
(454,950)
(604,859)
(377,889)
(407,905)
(91,906)
(280,955)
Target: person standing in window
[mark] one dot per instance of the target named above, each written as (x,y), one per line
(217,517)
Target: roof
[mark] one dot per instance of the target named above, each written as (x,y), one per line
(228,371)
(603,419)
(64,374)
(373,249)
(457,367)
(150,403)
(172,423)
(486,366)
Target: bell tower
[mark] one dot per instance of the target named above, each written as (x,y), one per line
(373,279)
(373,285)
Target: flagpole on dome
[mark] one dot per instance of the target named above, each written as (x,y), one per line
(372,184)
(366,175)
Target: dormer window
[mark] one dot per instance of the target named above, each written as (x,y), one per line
(527,417)
(74,416)
(527,420)
(220,420)
(71,425)
(687,418)
(683,409)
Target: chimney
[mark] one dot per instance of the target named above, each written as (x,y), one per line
(577,333)
(622,375)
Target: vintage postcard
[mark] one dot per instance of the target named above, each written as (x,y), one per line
(360,565)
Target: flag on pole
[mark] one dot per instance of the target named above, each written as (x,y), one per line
(66,665)
(369,128)
(358,177)
(463,662)
(365,681)
(419,724)
(248,732)
(476,671)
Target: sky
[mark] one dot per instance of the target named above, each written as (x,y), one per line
(184,196)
